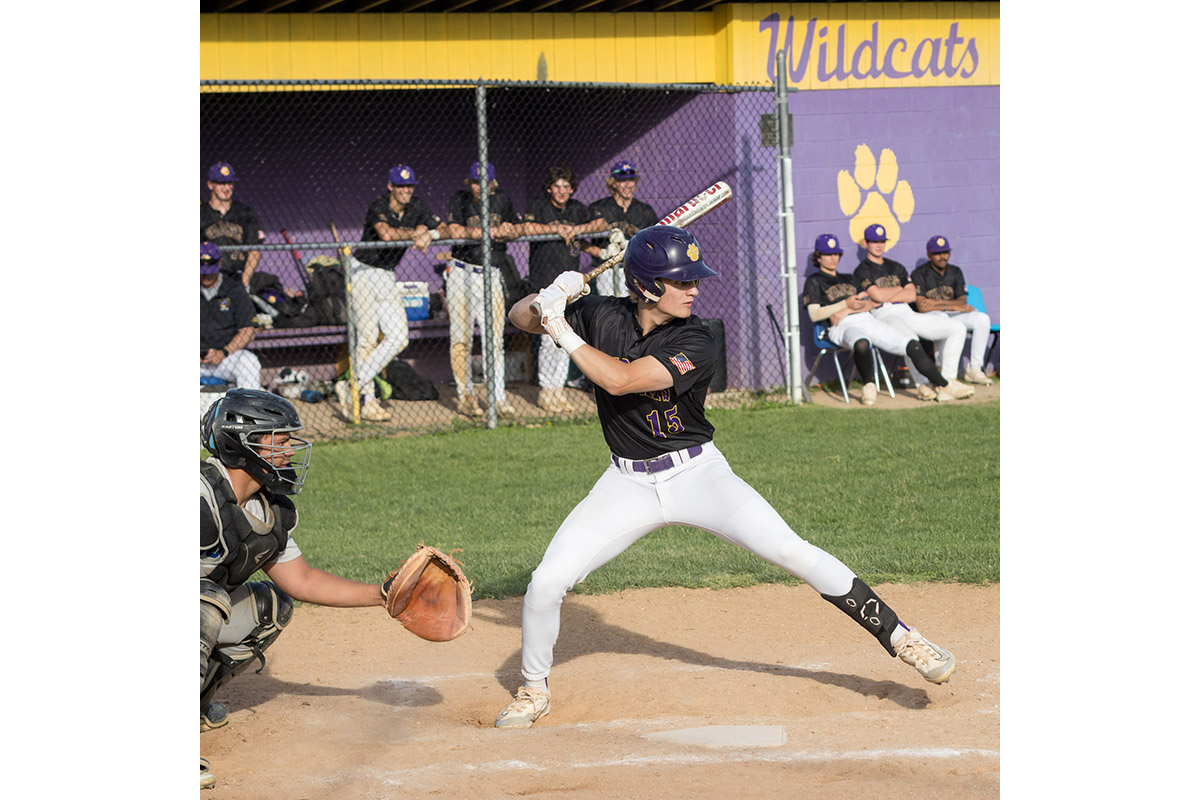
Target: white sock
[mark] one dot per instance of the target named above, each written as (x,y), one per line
(542,685)
(898,633)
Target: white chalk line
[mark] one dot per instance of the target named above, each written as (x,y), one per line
(404,777)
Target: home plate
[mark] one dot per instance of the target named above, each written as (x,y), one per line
(726,736)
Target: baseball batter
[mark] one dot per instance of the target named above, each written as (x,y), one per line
(651,363)
(886,282)
(832,296)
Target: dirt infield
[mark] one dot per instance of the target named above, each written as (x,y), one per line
(352,706)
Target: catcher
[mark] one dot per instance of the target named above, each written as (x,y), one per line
(246,524)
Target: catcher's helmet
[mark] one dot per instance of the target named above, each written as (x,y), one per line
(238,429)
(658,252)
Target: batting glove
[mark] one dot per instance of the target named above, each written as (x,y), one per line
(548,299)
(562,333)
(573,285)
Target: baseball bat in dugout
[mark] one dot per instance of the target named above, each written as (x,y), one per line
(713,197)
(287,237)
(351,334)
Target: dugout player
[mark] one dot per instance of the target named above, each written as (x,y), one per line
(556,212)
(377,305)
(226,324)
(832,296)
(651,363)
(224,221)
(942,290)
(621,212)
(886,282)
(464,283)
(246,524)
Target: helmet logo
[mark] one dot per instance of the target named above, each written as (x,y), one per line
(693,252)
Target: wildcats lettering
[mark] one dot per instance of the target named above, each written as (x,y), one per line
(951,55)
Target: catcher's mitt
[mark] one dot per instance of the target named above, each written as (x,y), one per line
(429,595)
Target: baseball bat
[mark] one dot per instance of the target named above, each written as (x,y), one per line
(287,237)
(350,333)
(716,195)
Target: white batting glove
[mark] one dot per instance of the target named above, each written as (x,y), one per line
(548,299)
(573,285)
(561,332)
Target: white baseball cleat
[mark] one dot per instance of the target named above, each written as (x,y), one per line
(976,375)
(926,392)
(529,705)
(869,393)
(960,391)
(371,411)
(935,664)
(345,399)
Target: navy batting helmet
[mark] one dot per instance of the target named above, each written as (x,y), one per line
(238,429)
(659,252)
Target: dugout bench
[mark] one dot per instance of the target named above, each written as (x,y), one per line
(317,349)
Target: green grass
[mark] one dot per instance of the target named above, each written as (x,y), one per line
(899,496)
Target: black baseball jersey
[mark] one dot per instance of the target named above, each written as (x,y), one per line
(648,424)
(640,215)
(465,210)
(929,284)
(415,213)
(225,314)
(548,259)
(886,275)
(823,289)
(239,225)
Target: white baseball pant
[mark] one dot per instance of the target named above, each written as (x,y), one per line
(240,367)
(701,491)
(378,307)
(888,338)
(979,325)
(948,335)
(464,304)
(553,364)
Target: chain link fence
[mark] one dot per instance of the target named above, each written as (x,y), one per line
(421,330)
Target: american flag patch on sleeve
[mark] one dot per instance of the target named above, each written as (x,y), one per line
(682,363)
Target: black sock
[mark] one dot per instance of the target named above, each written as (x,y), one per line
(864,360)
(924,363)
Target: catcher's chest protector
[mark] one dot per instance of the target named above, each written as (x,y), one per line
(237,543)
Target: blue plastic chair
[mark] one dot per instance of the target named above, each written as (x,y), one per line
(821,340)
(975,300)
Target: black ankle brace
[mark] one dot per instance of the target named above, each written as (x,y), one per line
(865,608)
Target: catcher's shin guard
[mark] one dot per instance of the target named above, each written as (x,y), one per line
(272,611)
(215,607)
(865,608)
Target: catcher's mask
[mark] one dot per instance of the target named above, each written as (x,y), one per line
(239,430)
(658,252)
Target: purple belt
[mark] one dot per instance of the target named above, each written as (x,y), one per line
(659,464)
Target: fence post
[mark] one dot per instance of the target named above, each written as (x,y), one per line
(485,222)
(796,391)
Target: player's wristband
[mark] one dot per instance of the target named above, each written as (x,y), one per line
(570,342)
(435,234)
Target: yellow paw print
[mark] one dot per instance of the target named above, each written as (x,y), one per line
(875,208)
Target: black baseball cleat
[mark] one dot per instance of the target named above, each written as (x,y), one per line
(214,715)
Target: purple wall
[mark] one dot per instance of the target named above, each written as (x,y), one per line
(947,146)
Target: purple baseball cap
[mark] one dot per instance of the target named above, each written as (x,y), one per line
(827,244)
(938,244)
(402,175)
(210,258)
(221,172)
(623,171)
(875,233)
(475,172)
